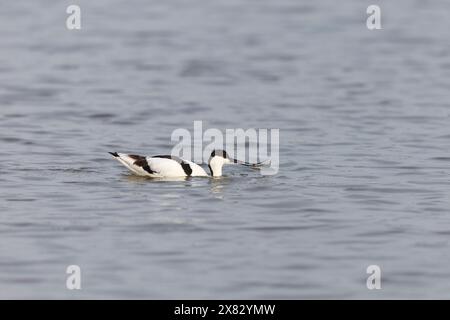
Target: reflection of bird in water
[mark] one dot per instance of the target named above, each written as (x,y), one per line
(218,186)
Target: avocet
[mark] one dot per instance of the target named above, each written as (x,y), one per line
(166,166)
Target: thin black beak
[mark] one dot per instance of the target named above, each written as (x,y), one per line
(247,164)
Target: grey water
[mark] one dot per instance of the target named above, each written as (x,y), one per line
(364,178)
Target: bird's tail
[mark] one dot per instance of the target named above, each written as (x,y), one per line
(136,164)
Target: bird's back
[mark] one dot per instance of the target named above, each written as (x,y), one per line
(160,166)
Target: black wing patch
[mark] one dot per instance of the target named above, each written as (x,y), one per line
(141,162)
(186,167)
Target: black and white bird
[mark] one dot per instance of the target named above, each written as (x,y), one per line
(166,166)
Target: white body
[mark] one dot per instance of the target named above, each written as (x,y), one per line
(161,167)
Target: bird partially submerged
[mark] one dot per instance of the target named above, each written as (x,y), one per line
(163,166)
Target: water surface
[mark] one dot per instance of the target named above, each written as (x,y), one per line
(364,149)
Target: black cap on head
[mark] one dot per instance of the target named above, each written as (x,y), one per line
(219,153)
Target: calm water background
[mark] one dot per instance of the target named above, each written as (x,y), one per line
(364,149)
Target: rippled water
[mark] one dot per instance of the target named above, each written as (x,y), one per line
(364,149)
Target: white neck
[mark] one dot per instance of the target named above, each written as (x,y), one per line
(215,165)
